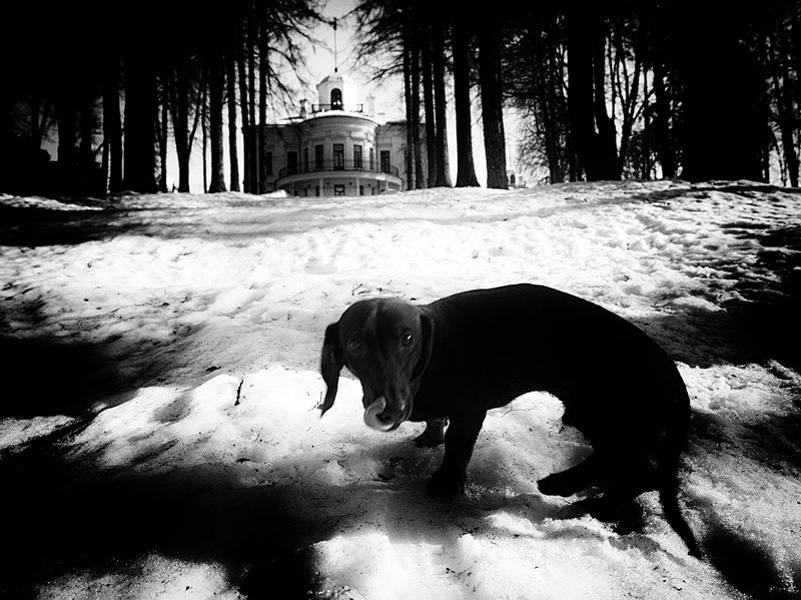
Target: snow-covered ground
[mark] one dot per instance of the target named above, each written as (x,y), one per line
(159,436)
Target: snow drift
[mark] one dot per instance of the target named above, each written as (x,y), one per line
(160,436)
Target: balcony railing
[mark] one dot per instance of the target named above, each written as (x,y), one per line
(328,166)
(354,108)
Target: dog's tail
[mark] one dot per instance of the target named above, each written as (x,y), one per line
(668,478)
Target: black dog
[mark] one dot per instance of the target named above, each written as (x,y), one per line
(454,359)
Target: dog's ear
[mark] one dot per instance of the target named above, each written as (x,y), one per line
(426,345)
(331,363)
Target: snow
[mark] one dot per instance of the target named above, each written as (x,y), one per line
(159,436)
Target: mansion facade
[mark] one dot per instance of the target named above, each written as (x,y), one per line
(335,147)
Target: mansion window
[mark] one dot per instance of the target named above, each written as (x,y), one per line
(358,160)
(318,157)
(292,163)
(336,99)
(339,157)
(385,164)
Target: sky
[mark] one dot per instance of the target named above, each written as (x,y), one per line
(321,60)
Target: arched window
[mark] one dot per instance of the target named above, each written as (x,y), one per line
(336,99)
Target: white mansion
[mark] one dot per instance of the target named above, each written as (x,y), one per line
(336,147)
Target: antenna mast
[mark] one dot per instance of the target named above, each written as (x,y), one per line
(336,58)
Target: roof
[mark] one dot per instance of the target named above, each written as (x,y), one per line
(335,76)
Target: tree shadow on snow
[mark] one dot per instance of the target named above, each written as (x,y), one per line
(33,227)
(762,323)
(63,517)
(44,377)
(48,376)
(748,566)
(68,517)
(762,326)
(749,560)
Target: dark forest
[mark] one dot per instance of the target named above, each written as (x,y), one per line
(617,90)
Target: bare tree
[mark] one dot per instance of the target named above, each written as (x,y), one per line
(438,26)
(489,60)
(140,138)
(216,94)
(466,171)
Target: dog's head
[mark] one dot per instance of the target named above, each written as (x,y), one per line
(386,343)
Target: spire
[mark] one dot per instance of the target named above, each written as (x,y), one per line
(336,58)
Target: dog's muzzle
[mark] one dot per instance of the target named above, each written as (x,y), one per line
(377,417)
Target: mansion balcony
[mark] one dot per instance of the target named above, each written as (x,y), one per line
(351,108)
(328,167)
(339,177)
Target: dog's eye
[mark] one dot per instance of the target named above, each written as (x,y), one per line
(355,345)
(407,339)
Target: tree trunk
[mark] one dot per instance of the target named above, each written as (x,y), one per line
(163,132)
(112,125)
(204,131)
(140,137)
(428,101)
(179,106)
(440,103)
(546,116)
(417,143)
(243,104)
(264,88)
(216,93)
(67,129)
(233,149)
(250,140)
(625,86)
(646,132)
(492,102)
(784,103)
(35,120)
(595,149)
(466,171)
(607,135)
(667,156)
(407,95)
(722,115)
(86,157)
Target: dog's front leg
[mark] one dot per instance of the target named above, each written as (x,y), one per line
(460,438)
(434,435)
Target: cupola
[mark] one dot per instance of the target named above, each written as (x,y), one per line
(336,92)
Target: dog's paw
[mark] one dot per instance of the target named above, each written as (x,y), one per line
(557,485)
(444,485)
(428,440)
(599,509)
(624,519)
(434,434)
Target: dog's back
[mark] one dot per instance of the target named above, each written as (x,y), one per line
(518,338)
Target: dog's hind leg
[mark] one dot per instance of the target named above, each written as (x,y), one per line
(631,483)
(434,435)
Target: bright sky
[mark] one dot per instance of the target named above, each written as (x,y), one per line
(321,59)
(321,62)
